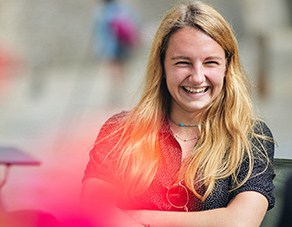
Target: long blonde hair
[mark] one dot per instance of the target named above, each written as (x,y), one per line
(226,125)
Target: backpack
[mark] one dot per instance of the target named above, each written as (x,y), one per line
(124,29)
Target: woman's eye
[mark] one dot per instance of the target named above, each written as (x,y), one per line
(212,63)
(182,63)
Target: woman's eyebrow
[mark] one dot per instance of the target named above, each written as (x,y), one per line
(180,58)
(215,58)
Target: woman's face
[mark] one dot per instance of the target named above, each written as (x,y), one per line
(195,68)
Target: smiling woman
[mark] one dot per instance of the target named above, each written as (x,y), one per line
(192,144)
(194,68)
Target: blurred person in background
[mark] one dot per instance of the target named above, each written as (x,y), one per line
(116,35)
(192,152)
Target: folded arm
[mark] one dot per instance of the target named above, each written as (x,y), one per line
(246,209)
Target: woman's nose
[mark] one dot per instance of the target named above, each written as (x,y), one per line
(197,75)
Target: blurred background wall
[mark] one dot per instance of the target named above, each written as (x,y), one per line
(54,93)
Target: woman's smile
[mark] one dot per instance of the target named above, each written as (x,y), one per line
(193,90)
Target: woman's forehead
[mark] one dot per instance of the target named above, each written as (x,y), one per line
(186,41)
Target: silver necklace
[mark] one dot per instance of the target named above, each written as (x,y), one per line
(185,140)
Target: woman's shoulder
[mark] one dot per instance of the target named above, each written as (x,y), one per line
(114,120)
(263,138)
(117,117)
(261,128)
(111,125)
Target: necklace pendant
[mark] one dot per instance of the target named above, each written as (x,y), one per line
(183,125)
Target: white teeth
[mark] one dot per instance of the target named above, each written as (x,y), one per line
(195,90)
